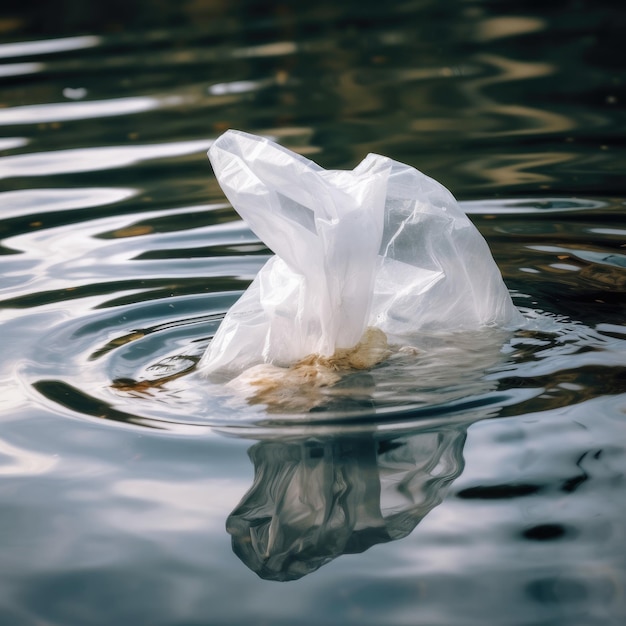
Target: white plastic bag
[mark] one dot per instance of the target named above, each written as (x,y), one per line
(380,246)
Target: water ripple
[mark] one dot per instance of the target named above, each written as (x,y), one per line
(95,158)
(497,460)
(66,111)
(48,46)
(24,202)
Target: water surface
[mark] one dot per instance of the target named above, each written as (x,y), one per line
(479,482)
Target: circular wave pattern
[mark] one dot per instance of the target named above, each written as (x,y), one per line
(119,255)
(126,350)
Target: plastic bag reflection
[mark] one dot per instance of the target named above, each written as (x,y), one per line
(315,499)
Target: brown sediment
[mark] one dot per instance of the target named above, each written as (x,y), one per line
(372,349)
(298,387)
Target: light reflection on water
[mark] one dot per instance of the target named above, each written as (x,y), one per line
(95,159)
(67,111)
(47,46)
(480,482)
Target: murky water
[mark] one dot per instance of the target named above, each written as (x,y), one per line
(480,481)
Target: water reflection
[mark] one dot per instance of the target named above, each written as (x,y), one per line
(315,499)
(115,274)
(48,46)
(69,111)
(103,158)
(18,461)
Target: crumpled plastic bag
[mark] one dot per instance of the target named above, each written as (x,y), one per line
(381,246)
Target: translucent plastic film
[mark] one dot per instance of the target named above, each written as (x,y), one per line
(381,246)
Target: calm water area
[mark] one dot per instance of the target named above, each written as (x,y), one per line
(481,482)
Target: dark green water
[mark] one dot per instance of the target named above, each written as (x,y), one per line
(482,483)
